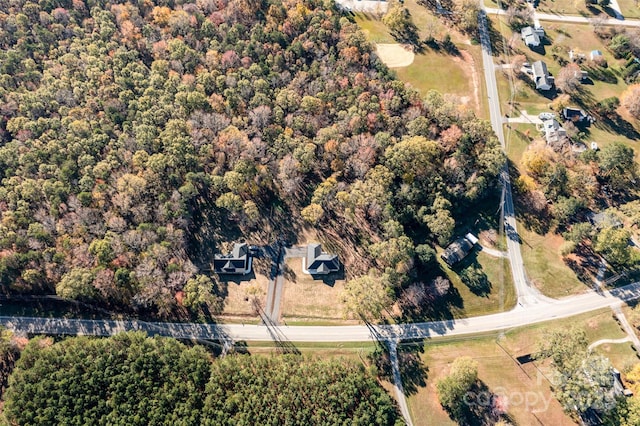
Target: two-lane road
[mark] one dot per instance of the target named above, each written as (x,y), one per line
(356,333)
(527,295)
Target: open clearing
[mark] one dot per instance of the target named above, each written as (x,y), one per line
(395,55)
(238,302)
(433,68)
(524,388)
(310,301)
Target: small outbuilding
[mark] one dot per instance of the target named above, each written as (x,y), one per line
(318,262)
(238,262)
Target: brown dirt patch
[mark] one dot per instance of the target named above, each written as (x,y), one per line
(395,55)
(472,74)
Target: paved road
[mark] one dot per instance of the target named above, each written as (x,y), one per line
(493,252)
(276,283)
(517,317)
(397,383)
(603,341)
(527,294)
(573,19)
(631,333)
(525,118)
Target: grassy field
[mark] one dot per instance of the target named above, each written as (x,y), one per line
(501,296)
(518,139)
(545,267)
(238,302)
(568,7)
(310,301)
(525,388)
(434,69)
(629,8)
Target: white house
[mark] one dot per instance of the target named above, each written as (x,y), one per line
(541,76)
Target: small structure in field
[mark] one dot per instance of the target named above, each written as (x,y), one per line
(238,262)
(318,262)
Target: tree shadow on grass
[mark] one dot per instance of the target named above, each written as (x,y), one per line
(481,407)
(413,372)
(434,308)
(471,274)
(619,125)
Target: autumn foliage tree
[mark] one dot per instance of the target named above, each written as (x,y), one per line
(631,100)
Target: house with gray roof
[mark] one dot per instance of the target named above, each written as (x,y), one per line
(457,250)
(532,36)
(318,262)
(541,76)
(553,131)
(237,262)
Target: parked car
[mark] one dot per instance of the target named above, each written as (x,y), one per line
(546,116)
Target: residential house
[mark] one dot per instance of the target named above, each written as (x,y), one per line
(595,54)
(237,262)
(541,76)
(457,250)
(532,36)
(318,262)
(576,115)
(604,219)
(553,131)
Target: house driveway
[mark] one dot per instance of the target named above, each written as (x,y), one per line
(524,118)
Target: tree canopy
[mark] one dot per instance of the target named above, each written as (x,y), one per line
(131,379)
(135,138)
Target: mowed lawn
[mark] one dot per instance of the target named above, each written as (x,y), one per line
(524,389)
(238,304)
(502,295)
(310,301)
(544,265)
(629,8)
(434,69)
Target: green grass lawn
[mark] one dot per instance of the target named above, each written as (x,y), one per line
(435,69)
(373,28)
(498,369)
(544,265)
(517,140)
(568,7)
(502,295)
(629,8)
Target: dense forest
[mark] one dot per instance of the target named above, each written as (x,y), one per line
(131,379)
(135,138)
